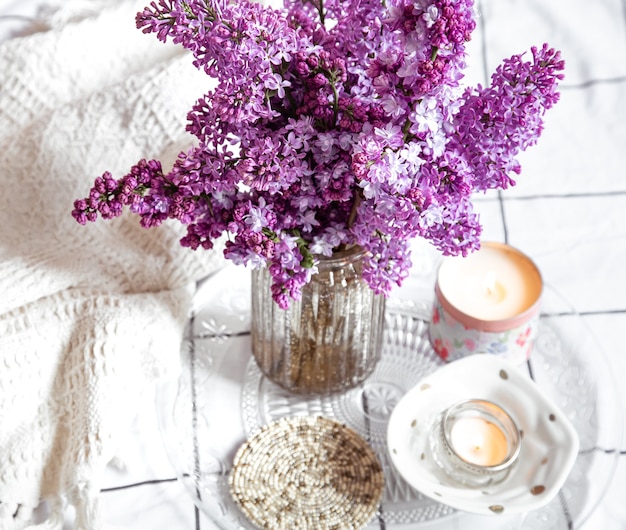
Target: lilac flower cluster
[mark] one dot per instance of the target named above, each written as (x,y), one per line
(333,123)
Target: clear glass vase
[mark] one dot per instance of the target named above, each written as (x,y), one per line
(327,342)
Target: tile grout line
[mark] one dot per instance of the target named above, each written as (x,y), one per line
(566,510)
(505,228)
(151,482)
(624,13)
(368,439)
(200,336)
(591,82)
(546,196)
(194,414)
(604,312)
(483,44)
(595,449)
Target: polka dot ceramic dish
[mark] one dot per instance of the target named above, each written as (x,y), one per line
(548,449)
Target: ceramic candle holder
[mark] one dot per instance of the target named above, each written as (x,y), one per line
(447,467)
(475,443)
(487,302)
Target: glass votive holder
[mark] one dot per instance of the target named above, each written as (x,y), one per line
(475,443)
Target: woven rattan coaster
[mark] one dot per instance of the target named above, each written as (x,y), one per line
(307,473)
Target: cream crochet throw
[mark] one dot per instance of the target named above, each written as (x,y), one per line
(90,316)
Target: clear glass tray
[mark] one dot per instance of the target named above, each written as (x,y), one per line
(221,398)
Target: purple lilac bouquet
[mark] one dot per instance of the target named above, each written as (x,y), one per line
(333,123)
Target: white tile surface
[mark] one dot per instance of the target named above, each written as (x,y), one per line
(580,149)
(588,33)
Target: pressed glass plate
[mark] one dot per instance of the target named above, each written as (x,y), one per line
(221,399)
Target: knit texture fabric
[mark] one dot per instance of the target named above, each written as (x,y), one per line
(90,316)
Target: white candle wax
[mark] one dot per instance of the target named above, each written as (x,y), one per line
(479,441)
(494,283)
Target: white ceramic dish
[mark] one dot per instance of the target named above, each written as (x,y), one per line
(549,444)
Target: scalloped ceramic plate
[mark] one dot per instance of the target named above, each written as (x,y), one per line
(549,444)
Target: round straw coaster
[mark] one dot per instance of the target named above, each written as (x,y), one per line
(307,473)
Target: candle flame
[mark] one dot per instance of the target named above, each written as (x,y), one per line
(478,441)
(490,282)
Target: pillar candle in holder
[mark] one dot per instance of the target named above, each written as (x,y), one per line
(475,443)
(487,302)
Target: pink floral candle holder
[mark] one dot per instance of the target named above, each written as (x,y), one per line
(487,302)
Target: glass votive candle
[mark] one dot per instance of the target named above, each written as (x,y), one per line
(486,302)
(475,443)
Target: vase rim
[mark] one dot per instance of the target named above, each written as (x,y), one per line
(352,251)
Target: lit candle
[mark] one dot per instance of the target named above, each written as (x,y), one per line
(487,302)
(496,282)
(475,442)
(478,441)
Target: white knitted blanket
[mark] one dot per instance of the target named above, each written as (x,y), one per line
(90,316)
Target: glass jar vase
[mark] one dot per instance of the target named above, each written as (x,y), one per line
(328,341)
